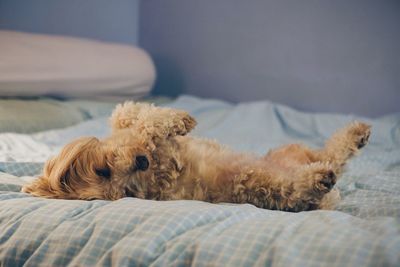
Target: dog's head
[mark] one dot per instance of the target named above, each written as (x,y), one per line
(89,169)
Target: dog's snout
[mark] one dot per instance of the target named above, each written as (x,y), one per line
(141,163)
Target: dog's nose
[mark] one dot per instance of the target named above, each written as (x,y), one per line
(141,163)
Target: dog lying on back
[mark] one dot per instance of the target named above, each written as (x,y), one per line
(149,156)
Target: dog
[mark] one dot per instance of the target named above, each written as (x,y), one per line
(150,156)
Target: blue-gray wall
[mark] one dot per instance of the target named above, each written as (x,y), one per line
(108,20)
(340,55)
(317,55)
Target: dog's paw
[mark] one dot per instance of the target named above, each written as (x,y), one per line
(183,123)
(317,179)
(131,114)
(359,133)
(363,137)
(189,122)
(325,180)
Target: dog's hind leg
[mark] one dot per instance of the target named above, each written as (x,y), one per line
(344,144)
(300,189)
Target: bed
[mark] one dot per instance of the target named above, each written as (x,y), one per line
(38,70)
(364,230)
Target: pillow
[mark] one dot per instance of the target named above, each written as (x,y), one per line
(27,116)
(37,64)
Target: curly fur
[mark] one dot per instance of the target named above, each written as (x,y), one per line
(291,178)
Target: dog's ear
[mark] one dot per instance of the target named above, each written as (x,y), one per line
(50,184)
(70,171)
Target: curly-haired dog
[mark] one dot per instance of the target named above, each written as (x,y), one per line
(148,155)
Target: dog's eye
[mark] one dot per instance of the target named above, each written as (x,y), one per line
(106,173)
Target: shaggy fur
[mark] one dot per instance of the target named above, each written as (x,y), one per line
(149,155)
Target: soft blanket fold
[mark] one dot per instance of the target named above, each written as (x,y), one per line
(363,230)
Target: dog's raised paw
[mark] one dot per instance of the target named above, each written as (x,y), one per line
(189,122)
(328,179)
(317,179)
(361,133)
(363,140)
(184,123)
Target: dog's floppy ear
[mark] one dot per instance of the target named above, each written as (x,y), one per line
(72,169)
(50,184)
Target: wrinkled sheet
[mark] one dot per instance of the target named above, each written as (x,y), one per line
(364,230)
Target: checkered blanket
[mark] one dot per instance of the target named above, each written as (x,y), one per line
(364,230)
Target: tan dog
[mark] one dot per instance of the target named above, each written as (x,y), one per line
(149,156)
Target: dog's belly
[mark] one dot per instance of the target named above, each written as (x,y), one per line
(209,170)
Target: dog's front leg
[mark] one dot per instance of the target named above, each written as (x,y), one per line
(154,121)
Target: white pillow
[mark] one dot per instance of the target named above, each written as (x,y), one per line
(37,64)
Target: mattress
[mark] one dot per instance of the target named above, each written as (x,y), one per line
(362,231)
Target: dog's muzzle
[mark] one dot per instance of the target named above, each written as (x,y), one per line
(141,163)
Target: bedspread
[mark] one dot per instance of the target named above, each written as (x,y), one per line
(364,230)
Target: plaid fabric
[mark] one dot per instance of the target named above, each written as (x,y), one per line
(362,231)
(10,183)
(21,168)
(133,232)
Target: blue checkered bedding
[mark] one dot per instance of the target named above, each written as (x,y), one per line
(364,230)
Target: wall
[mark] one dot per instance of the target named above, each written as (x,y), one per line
(314,55)
(341,56)
(115,20)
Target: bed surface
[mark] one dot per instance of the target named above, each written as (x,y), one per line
(364,230)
